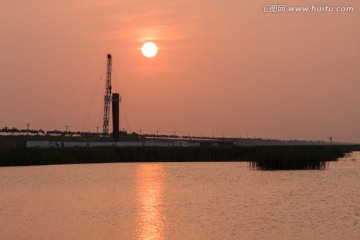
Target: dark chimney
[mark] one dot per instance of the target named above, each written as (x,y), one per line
(115,116)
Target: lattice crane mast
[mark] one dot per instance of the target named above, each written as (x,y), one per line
(107,98)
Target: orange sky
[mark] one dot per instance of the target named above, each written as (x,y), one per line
(223,67)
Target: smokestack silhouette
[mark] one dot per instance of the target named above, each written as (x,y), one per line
(115,116)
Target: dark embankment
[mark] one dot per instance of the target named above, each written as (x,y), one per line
(260,157)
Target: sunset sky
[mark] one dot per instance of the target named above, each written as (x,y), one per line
(223,67)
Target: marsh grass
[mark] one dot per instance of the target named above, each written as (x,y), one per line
(296,157)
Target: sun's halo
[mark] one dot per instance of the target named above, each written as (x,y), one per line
(149,49)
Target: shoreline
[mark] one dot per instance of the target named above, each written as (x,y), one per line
(263,157)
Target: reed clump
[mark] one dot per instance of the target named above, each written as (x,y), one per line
(295,157)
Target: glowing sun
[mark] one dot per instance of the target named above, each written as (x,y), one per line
(149,49)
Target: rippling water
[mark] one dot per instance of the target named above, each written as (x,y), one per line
(179,201)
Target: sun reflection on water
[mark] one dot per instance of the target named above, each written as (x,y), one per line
(150,187)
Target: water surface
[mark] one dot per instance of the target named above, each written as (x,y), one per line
(179,201)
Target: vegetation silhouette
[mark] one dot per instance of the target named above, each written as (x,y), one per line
(259,157)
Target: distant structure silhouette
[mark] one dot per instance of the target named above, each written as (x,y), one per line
(107,97)
(115,116)
(115,99)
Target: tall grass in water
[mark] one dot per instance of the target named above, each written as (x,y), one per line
(288,165)
(296,157)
